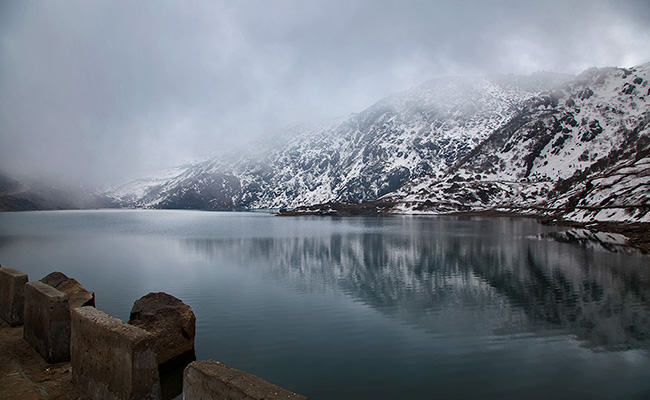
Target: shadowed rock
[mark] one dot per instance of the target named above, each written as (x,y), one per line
(77,295)
(172,323)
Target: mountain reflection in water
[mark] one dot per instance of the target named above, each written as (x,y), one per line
(380,308)
(454,281)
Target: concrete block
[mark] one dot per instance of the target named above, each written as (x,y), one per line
(77,295)
(111,359)
(171,321)
(47,321)
(12,295)
(205,380)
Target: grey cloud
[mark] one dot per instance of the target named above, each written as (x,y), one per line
(97,91)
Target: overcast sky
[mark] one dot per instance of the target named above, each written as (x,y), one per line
(97,91)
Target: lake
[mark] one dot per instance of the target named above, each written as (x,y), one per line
(368,308)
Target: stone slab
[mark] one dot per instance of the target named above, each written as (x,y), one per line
(205,380)
(12,295)
(111,359)
(47,321)
(77,295)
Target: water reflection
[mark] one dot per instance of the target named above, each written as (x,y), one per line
(456,277)
(593,240)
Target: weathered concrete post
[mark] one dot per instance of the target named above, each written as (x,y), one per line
(12,295)
(111,359)
(47,321)
(205,380)
(47,314)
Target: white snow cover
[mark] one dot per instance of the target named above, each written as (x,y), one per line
(600,118)
(546,144)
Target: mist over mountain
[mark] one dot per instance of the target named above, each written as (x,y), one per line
(95,93)
(544,144)
(579,152)
(32,195)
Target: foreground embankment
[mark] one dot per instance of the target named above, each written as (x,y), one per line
(54,343)
(24,374)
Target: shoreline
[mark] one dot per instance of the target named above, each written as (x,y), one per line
(638,233)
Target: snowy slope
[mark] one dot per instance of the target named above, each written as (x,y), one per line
(417,133)
(551,145)
(570,152)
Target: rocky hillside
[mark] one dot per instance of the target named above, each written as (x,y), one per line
(419,133)
(579,152)
(550,145)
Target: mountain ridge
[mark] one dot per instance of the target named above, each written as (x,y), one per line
(417,132)
(571,138)
(553,146)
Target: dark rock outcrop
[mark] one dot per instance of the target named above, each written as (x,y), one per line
(172,323)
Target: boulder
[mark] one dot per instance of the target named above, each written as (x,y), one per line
(170,321)
(77,295)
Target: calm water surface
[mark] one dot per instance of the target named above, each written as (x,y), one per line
(368,308)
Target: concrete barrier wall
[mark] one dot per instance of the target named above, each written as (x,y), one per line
(205,380)
(47,322)
(114,360)
(12,295)
(111,359)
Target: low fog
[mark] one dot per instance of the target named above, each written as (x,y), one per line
(98,92)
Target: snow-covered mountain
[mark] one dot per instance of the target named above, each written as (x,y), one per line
(545,144)
(420,132)
(579,152)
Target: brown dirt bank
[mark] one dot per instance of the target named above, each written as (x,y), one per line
(25,375)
